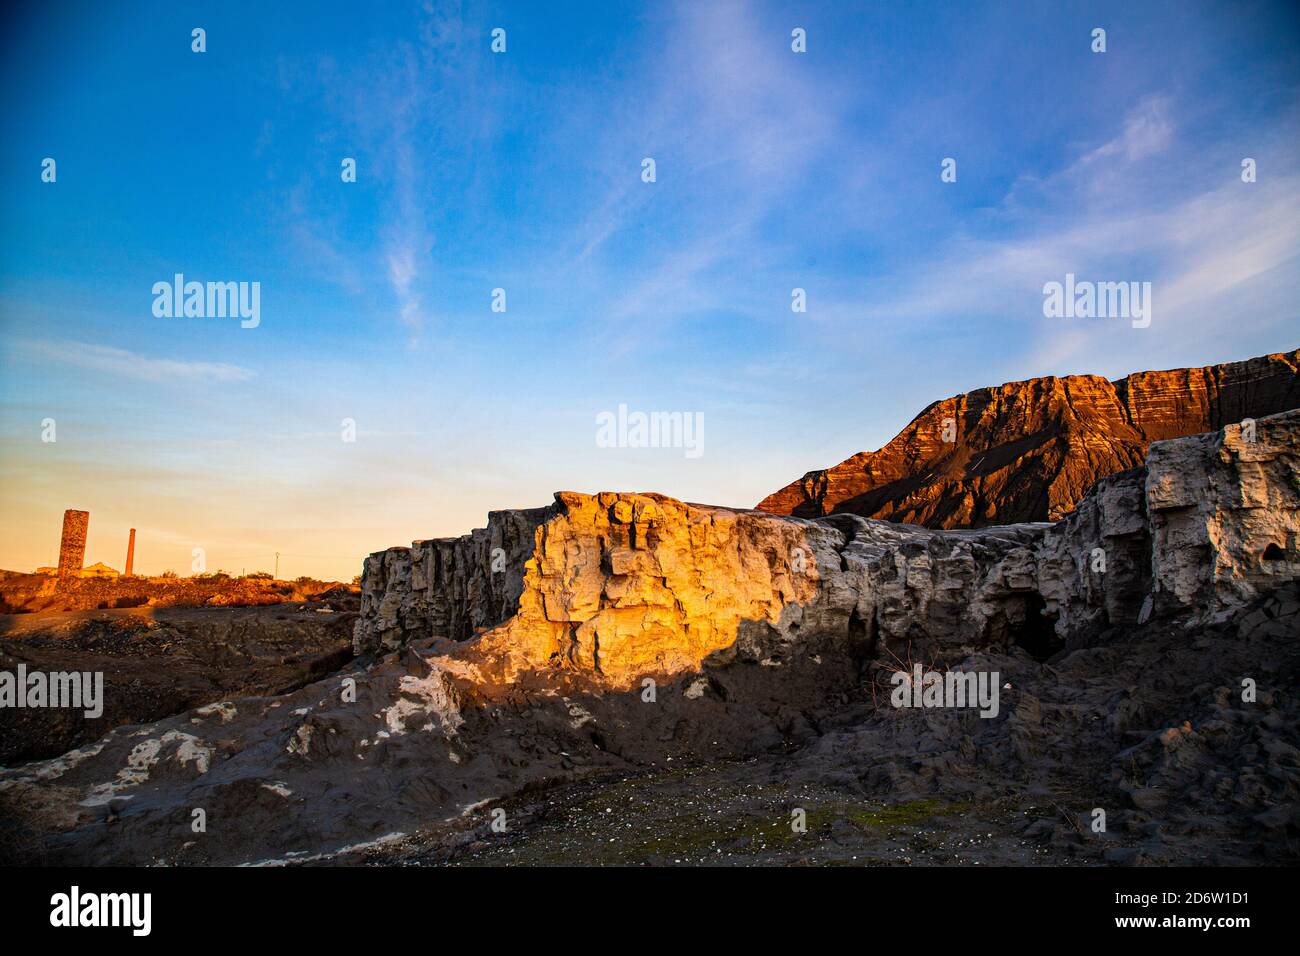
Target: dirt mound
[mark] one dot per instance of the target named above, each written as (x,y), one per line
(29,593)
(159,662)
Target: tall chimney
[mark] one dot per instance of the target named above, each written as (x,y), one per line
(72,547)
(130,553)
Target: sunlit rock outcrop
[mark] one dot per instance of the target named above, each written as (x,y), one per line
(619,587)
(1029,451)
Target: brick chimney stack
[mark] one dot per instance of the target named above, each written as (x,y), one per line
(130,553)
(72,547)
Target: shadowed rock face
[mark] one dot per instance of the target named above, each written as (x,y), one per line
(633,629)
(1029,451)
(1207,525)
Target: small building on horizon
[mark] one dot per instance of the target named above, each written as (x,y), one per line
(99,570)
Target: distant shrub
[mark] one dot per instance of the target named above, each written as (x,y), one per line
(168,574)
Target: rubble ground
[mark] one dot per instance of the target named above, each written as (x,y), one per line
(162,661)
(735,814)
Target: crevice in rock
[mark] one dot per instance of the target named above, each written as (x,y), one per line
(1037,634)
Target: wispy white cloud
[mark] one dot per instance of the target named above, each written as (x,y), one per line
(403,271)
(1148,129)
(403,116)
(126,364)
(1219,253)
(735,122)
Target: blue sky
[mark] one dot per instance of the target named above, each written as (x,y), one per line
(522,171)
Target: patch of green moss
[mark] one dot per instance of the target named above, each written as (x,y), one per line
(907,813)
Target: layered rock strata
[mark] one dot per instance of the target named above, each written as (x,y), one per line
(1029,451)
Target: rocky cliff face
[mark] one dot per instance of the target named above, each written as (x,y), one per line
(620,631)
(1208,525)
(449,587)
(1029,451)
(618,587)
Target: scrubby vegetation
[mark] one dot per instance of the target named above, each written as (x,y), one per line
(25,593)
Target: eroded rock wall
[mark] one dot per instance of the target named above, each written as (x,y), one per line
(447,587)
(1031,450)
(1094,567)
(1225,514)
(621,585)
(624,586)
(1207,525)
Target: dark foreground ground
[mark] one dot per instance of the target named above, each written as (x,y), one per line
(1147,725)
(742,814)
(162,661)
